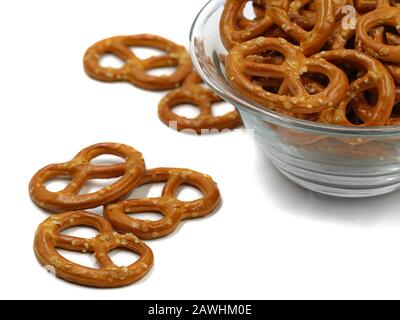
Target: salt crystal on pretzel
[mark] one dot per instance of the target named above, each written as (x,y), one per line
(173,210)
(135,70)
(81,170)
(192,92)
(49,238)
(239,69)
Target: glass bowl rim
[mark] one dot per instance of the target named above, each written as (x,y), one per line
(272,115)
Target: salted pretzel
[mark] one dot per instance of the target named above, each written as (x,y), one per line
(231,33)
(239,69)
(376,77)
(310,41)
(383,15)
(379,35)
(192,92)
(135,70)
(173,210)
(81,170)
(48,239)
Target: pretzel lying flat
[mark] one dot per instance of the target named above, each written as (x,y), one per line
(48,238)
(192,92)
(239,68)
(80,170)
(173,210)
(383,15)
(310,41)
(135,69)
(376,77)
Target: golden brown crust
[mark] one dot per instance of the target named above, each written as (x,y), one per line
(135,69)
(48,239)
(239,69)
(192,92)
(310,41)
(234,29)
(80,170)
(376,77)
(383,15)
(173,210)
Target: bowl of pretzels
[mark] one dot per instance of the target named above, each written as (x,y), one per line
(317,80)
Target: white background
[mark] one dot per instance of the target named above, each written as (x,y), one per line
(270,238)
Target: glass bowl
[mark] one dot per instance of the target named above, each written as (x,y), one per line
(334,160)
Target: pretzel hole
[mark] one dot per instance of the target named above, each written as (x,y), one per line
(187,192)
(221,108)
(352,116)
(94,185)
(249,11)
(123,257)
(371,97)
(146,52)
(350,43)
(109,60)
(314,82)
(106,159)
(81,258)
(57,184)
(269,56)
(271,85)
(81,231)
(150,215)
(161,71)
(186,110)
(150,190)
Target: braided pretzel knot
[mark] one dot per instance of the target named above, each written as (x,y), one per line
(192,92)
(376,77)
(231,35)
(80,170)
(135,69)
(384,15)
(239,69)
(48,237)
(173,210)
(310,41)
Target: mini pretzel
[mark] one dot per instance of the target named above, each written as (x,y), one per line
(384,15)
(80,170)
(173,210)
(239,69)
(192,92)
(135,69)
(376,77)
(231,34)
(310,41)
(48,239)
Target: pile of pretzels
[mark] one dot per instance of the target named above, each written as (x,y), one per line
(305,58)
(184,81)
(116,228)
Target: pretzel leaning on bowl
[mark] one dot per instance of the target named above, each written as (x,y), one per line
(192,92)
